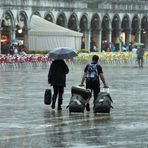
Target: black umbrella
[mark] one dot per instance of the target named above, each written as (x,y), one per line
(62,53)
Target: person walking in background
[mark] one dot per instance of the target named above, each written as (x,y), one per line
(92,74)
(11,50)
(5,48)
(57,79)
(134,54)
(140,56)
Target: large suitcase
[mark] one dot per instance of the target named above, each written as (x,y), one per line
(80,96)
(103,103)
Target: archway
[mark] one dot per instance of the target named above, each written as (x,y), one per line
(22,29)
(95,28)
(105,33)
(72,23)
(7,32)
(61,20)
(49,17)
(84,30)
(36,13)
(144,30)
(135,29)
(126,29)
(116,34)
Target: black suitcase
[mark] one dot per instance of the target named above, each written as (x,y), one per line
(77,103)
(80,96)
(103,103)
(47,96)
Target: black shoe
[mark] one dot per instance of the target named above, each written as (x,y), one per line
(87,107)
(53,105)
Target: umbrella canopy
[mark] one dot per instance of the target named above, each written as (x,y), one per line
(62,53)
(15,41)
(138,44)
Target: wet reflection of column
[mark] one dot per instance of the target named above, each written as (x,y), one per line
(55,136)
(87,40)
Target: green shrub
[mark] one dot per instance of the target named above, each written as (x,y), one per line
(37,51)
(82,51)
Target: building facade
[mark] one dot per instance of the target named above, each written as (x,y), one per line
(102,22)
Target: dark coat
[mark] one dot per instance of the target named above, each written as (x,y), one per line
(57,73)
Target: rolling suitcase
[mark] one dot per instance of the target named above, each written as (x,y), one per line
(103,102)
(80,96)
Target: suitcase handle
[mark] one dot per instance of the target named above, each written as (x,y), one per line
(105,89)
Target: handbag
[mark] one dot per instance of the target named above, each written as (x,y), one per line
(47,96)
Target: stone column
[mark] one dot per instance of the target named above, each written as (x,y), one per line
(26,42)
(12,33)
(139,35)
(87,40)
(99,38)
(120,43)
(128,36)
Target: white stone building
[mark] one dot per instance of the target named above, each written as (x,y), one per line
(102,22)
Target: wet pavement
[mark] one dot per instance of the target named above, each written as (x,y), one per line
(25,122)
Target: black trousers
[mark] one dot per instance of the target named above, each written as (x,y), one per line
(58,92)
(140,61)
(94,86)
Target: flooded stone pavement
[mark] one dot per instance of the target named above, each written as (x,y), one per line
(27,123)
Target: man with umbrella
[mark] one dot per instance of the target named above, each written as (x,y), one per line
(57,79)
(57,73)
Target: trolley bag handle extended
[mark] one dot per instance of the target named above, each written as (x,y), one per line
(105,89)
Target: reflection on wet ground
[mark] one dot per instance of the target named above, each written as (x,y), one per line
(26,122)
